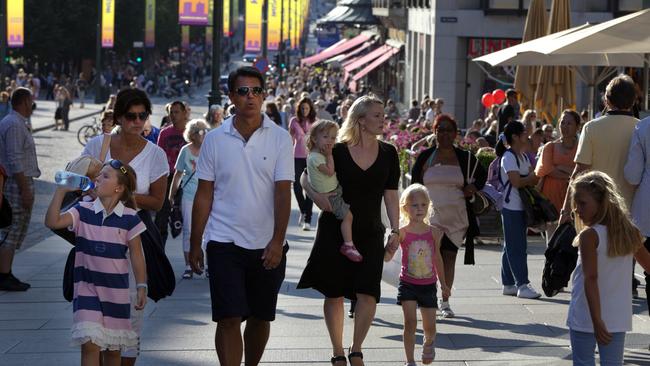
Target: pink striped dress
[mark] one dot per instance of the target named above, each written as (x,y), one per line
(101,302)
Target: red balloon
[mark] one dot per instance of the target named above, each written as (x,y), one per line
(487,100)
(499,96)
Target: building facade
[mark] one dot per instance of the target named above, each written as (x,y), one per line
(443,36)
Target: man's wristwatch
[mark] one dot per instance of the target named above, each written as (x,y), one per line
(394,231)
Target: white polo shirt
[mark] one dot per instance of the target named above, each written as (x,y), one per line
(244,176)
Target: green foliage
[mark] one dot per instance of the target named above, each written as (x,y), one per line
(485,157)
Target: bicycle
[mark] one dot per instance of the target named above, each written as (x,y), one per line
(88,131)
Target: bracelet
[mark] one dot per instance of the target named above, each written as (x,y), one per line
(142,285)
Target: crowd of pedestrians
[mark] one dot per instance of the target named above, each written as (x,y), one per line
(236,169)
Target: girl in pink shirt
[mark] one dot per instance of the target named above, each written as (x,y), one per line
(421,269)
(299,127)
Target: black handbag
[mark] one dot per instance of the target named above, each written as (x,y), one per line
(5,213)
(539,210)
(160,274)
(176,213)
(69,200)
(479,203)
(561,258)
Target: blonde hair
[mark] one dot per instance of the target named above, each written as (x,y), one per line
(622,236)
(193,127)
(351,130)
(406,197)
(321,126)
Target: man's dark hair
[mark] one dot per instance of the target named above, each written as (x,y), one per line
(19,95)
(246,71)
(415,103)
(511,92)
(621,92)
(126,99)
(178,103)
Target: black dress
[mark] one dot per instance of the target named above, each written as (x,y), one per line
(327,270)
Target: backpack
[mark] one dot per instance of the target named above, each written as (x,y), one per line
(561,259)
(495,187)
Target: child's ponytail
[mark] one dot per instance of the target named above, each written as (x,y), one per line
(129,181)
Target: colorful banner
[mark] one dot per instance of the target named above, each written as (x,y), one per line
(15,23)
(253,42)
(150,24)
(226,18)
(193,12)
(108,23)
(185,37)
(274,25)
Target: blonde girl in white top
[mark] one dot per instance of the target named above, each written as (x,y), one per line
(601,306)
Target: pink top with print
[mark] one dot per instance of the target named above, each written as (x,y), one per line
(418,259)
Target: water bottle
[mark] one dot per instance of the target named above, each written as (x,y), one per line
(72,180)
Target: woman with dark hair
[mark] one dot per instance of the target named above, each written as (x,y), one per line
(452,176)
(299,127)
(131,110)
(274,114)
(516,172)
(556,162)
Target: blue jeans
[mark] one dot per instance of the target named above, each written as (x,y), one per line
(514,265)
(583,346)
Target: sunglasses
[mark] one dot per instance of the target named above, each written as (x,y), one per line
(244,90)
(131,116)
(117,165)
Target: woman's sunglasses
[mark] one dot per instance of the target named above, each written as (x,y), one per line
(244,90)
(117,165)
(131,116)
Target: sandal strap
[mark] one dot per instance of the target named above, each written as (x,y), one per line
(355,354)
(336,359)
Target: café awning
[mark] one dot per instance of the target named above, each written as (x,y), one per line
(337,49)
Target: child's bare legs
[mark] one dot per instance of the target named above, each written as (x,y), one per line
(409,308)
(346,228)
(429,325)
(90,356)
(348,249)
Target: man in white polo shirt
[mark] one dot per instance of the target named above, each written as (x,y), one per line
(245,172)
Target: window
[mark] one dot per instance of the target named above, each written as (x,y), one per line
(628,6)
(504,7)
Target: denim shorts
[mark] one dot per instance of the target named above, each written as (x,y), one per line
(424,295)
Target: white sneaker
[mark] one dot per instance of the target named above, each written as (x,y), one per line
(528,292)
(301,220)
(445,310)
(510,290)
(306,226)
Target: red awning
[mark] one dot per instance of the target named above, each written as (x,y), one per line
(393,51)
(348,56)
(333,51)
(364,60)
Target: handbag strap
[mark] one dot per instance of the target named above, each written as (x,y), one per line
(470,176)
(106,144)
(188,180)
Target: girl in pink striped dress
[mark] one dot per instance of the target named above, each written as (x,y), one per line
(421,261)
(106,230)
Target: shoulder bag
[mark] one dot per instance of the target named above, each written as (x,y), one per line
(176,213)
(480,203)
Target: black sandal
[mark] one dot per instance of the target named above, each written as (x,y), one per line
(354,354)
(336,359)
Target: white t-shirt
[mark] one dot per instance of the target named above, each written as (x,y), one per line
(509,164)
(149,165)
(244,175)
(615,294)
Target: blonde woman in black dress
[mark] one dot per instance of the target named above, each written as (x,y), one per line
(367,170)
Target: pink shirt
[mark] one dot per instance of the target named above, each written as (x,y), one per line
(298,134)
(418,259)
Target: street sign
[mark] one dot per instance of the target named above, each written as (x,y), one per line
(261,64)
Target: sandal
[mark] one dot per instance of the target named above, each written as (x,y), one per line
(336,359)
(351,253)
(428,353)
(352,355)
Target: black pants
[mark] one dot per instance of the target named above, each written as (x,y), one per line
(306,205)
(162,216)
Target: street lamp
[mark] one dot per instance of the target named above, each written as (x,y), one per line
(217,31)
